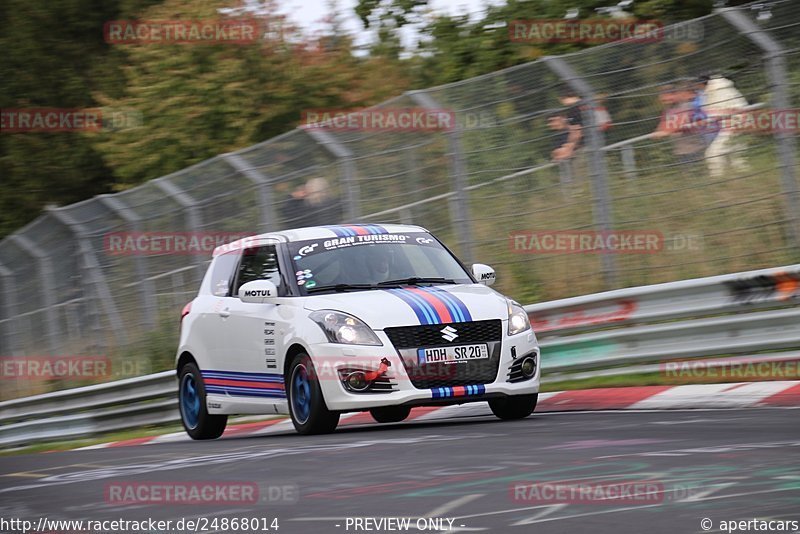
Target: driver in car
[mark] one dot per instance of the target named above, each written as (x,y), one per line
(380,262)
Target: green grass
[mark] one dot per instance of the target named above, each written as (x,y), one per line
(67,445)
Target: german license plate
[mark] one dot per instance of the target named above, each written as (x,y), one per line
(461,353)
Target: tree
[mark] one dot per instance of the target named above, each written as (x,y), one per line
(53,56)
(197,101)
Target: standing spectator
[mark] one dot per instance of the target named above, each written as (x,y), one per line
(569,124)
(676,123)
(721,100)
(294,207)
(322,207)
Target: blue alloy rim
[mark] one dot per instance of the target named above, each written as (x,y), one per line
(301,394)
(190,401)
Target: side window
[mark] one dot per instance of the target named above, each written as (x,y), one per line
(259,263)
(222,274)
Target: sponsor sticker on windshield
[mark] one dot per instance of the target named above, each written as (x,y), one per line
(313,247)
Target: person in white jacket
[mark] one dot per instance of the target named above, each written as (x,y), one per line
(721,100)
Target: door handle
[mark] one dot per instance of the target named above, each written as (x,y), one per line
(225,313)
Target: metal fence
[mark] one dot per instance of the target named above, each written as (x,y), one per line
(62,292)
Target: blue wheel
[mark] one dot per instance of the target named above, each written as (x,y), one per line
(190,401)
(301,394)
(310,414)
(199,424)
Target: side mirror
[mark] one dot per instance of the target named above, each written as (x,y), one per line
(484,274)
(258,291)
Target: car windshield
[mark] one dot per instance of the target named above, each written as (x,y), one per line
(374,261)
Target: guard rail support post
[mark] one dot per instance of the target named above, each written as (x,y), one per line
(189,204)
(597,164)
(148,290)
(93,277)
(775,65)
(46,289)
(460,212)
(263,187)
(9,346)
(347,169)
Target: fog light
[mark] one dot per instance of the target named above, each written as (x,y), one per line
(357,381)
(528,367)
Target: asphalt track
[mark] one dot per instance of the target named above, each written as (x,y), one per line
(717,464)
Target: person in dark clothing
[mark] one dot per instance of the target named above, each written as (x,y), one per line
(294,213)
(569,125)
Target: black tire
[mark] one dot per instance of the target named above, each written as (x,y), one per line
(515,407)
(390,414)
(199,424)
(310,414)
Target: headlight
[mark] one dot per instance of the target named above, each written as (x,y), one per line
(343,328)
(517,319)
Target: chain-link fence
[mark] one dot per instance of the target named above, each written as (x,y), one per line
(65,292)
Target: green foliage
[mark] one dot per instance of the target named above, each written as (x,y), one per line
(52,57)
(196,101)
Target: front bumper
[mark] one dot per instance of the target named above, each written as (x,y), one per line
(330,358)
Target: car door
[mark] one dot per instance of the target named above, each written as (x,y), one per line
(251,340)
(209,332)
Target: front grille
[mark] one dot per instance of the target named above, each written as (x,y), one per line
(408,339)
(412,337)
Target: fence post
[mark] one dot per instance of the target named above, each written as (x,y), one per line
(414,182)
(263,186)
(603,217)
(629,161)
(148,290)
(92,276)
(46,289)
(9,347)
(347,169)
(189,205)
(775,64)
(565,177)
(460,212)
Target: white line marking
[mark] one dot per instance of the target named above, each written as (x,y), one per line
(452,505)
(710,491)
(548,509)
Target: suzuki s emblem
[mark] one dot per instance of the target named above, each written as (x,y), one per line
(449,333)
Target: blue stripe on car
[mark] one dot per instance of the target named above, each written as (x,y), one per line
(425,313)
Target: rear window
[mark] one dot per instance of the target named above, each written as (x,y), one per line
(222,271)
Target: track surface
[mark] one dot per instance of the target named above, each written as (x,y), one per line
(717,464)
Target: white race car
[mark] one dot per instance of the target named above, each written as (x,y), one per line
(320,321)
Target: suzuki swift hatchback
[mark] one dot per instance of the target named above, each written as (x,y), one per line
(317,322)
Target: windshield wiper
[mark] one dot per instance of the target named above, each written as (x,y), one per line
(416,280)
(339,288)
